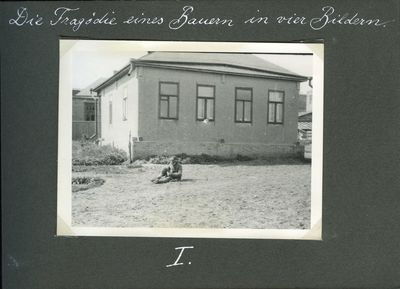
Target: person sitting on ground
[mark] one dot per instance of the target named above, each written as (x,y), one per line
(171,173)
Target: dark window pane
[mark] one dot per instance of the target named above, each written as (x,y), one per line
(169,88)
(243,94)
(210,109)
(163,108)
(173,107)
(200,108)
(279,112)
(89,111)
(239,110)
(276,96)
(247,111)
(205,91)
(271,112)
(110,112)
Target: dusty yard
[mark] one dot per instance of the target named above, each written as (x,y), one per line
(228,195)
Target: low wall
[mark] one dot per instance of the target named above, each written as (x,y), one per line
(80,128)
(149,148)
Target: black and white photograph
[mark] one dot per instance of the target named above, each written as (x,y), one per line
(190,139)
(200,144)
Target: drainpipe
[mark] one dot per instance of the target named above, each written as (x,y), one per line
(310,82)
(130,69)
(95,113)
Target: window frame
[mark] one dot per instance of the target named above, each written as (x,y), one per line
(85,106)
(168,96)
(275,106)
(110,112)
(243,109)
(125,103)
(205,102)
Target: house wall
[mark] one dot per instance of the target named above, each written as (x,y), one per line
(78,108)
(257,138)
(309,100)
(79,125)
(117,133)
(302,102)
(228,150)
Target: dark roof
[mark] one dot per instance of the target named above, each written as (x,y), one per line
(223,63)
(305,117)
(231,59)
(86,91)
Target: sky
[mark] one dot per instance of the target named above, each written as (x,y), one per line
(91,64)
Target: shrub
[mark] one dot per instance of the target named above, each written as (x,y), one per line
(194,159)
(203,159)
(85,183)
(159,159)
(89,154)
(81,180)
(243,158)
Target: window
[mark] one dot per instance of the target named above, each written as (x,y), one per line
(168,105)
(275,106)
(124,103)
(89,111)
(243,105)
(110,112)
(205,102)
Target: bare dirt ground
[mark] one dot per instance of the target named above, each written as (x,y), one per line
(227,195)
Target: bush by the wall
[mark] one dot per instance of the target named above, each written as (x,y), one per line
(194,159)
(209,159)
(89,154)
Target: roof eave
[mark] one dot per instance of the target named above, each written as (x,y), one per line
(160,64)
(82,96)
(226,64)
(119,74)
(295,78)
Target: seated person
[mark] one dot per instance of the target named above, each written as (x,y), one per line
(171,173)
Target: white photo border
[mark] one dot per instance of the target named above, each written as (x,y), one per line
(64,187)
